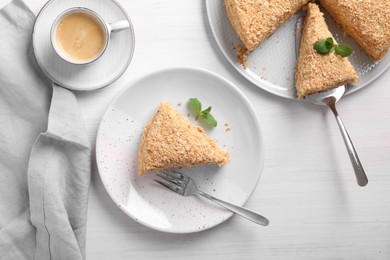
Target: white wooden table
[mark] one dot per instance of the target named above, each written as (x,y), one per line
(307,189)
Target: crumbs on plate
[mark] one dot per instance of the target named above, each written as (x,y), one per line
(242,55)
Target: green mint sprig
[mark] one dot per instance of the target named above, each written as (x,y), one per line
(325,46)
(204,114)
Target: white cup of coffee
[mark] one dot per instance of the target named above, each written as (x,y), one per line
(80,36)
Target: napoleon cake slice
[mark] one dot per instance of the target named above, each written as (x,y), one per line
(367,21)
(315,72)
(171,140)
(256,20)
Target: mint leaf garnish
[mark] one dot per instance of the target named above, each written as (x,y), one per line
(204,114)
(325,46)
(322,46)
(343,50)
(197,106)
(209,119)
(206,111)
(329,43)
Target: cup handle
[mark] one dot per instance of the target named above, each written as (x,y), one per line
(118,26)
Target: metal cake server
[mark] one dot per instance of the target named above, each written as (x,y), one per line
(330,98)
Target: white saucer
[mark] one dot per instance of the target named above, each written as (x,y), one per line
(149,203)
(110,66)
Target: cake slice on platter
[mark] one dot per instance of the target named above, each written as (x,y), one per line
(171,140)
(368,22)
(256,20)
(315,72)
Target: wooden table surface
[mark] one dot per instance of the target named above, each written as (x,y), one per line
(307,188)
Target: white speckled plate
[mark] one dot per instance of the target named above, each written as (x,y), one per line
(146,201)
(271,65)
(109,67)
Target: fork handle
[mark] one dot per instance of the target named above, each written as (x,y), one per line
(248,214)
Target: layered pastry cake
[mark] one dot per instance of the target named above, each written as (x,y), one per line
(171,140)
(367,21)
(256,20)
(315,72)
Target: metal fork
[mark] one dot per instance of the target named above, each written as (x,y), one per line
(184,185)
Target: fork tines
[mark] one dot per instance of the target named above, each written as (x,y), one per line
(174,174)
(172,180)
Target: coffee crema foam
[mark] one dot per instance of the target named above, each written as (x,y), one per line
(80,36)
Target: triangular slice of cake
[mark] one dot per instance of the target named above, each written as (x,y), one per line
(368,22)
(256,20)
(171,140)
(315,72)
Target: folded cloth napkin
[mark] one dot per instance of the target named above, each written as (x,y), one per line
(44,153)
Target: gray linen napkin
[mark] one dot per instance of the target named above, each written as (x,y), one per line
(44,153)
